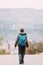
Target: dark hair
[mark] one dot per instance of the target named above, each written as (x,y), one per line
(21,30)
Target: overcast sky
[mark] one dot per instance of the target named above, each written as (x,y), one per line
(37,4)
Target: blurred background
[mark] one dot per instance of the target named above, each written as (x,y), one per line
(12,20)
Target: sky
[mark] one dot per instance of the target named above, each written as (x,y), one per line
(22,21)
(37,4)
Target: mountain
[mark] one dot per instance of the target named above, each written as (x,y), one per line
(11,20)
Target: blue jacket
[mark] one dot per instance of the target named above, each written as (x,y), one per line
(16,43)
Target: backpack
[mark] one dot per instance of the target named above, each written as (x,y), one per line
(22,40)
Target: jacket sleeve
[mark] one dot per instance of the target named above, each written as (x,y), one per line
(26,42)
(17,41)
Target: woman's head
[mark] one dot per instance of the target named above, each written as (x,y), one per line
(21,30)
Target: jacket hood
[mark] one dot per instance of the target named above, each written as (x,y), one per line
(22,33)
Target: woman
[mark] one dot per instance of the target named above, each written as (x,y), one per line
(22,44)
